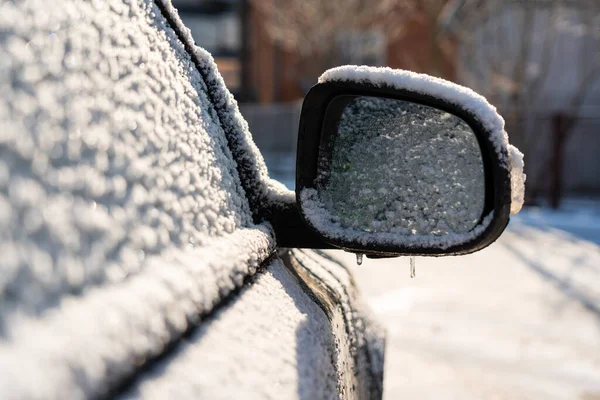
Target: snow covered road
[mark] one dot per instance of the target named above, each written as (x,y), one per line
(518,320)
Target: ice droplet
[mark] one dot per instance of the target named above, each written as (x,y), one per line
(412,267)
(359,258)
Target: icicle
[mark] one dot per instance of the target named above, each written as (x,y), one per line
(359,258)
(412,267)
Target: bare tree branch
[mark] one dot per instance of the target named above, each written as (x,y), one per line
(310,26)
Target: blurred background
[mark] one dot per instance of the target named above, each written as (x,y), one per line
(520,319)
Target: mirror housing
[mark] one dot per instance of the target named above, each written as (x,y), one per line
(315,143)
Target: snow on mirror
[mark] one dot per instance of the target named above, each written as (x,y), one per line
(402,168)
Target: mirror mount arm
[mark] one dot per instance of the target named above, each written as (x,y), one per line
(292,232)
(290,229)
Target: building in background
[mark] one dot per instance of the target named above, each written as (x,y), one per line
(281,73)
(235,33)
(538,62)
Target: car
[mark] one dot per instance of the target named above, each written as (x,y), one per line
(147,253)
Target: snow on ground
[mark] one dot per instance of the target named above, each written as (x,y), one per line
(518,320)
(578,217)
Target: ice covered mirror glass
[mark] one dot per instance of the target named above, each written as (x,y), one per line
(400,167)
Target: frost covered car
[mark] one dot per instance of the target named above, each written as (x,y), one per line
(147,253)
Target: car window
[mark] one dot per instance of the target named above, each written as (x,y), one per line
(110,150)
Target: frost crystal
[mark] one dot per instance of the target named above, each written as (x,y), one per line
(452,93)
(405,168)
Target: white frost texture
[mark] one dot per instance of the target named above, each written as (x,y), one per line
(517,179)
(321,218)
(432,180)
(122,216)
(485,113)
(218,361)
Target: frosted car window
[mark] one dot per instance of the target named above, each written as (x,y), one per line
(110,151)
(403,168)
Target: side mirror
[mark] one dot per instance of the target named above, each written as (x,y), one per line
(396,163)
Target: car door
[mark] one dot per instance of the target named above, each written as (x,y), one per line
(134,259)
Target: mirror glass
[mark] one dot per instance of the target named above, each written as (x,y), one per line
(400,167)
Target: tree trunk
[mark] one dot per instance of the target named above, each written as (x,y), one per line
(560,129)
